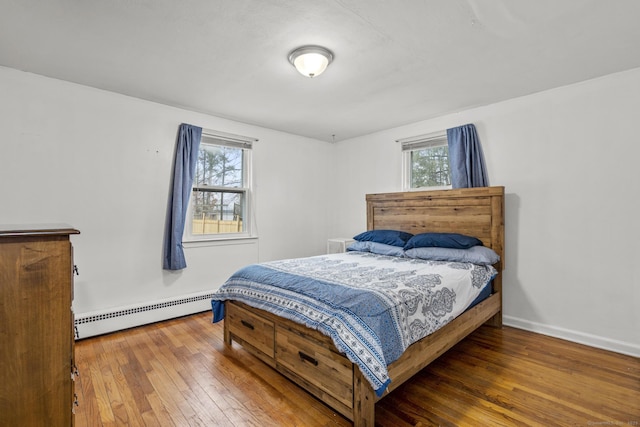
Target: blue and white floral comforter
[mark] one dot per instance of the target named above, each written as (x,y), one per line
(372,306)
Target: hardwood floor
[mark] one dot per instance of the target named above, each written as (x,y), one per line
(179,373)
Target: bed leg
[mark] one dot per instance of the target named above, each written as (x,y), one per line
(227,333)
(364,400)
(496,320)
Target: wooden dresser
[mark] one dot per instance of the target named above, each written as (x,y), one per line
(37,366)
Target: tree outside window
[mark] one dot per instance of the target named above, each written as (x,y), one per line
(430,167)
(426,162)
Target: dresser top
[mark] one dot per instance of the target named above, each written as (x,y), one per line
(8,230)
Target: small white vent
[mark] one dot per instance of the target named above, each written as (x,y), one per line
(338,245)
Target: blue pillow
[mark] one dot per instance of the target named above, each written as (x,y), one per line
(442,240)
(476,254)
(388,237)
(376,248)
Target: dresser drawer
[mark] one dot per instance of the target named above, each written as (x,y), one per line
(250,329)
(325,372)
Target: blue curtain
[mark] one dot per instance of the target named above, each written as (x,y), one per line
(466,158)
(181,186)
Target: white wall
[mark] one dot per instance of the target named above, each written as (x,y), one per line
(101,162)
(568,159)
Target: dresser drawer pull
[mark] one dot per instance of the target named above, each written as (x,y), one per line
(247,324)
(74,372)
(306,357)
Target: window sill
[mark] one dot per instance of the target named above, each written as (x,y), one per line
(220,241)
(437,187)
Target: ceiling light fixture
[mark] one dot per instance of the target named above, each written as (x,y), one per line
(311,61)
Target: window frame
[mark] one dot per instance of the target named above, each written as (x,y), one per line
(416,143)
(215,138)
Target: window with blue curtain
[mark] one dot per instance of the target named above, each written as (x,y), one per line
(440,160)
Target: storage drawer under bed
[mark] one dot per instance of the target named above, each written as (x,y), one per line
(327,374)
(252,330)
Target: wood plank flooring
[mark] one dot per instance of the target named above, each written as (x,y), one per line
(179,373)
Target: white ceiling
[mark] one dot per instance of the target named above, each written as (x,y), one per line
(396,62)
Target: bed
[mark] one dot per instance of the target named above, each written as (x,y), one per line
(324,365)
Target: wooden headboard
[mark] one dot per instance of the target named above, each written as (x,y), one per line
(477,212)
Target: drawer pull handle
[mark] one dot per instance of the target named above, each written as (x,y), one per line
(247,324)
(306,357)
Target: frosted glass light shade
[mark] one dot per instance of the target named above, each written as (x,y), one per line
(311,61)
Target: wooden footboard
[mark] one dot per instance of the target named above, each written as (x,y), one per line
(310,359)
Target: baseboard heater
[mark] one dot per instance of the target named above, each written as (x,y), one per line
(117,319)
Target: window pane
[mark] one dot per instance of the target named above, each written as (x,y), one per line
(219,166)
(217,212)
(430,167)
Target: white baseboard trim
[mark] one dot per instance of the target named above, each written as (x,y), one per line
(574,336)
(119,318)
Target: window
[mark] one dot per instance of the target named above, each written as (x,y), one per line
(426,162)
(220,203)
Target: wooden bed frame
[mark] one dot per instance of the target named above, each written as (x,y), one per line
(310,359)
